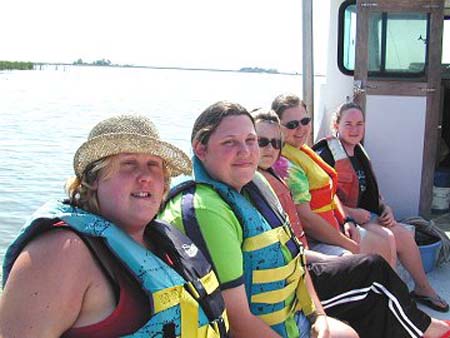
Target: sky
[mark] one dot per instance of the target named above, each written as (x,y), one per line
(227,34)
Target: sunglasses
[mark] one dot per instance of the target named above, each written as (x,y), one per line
(295,123)
(264,142)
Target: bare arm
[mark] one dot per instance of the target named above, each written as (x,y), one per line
(361,216)
(317,257)
(44,292)
(387,217)
(242,322)
(318,228)
(319,328)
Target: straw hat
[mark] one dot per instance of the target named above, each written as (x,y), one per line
(129,134)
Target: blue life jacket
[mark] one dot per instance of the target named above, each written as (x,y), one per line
(275,289)
(184,298)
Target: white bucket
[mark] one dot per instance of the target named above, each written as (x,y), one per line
(441,199)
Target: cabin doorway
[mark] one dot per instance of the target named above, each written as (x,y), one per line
(397,78)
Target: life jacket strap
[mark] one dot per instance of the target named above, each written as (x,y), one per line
(276,235)
(303,302)
(203,286)
(280,273)
(325,208)
(166,298)
(279,316)
(280,295)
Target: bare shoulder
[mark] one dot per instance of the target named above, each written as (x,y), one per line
(47,284)
(60,249)
(56,260)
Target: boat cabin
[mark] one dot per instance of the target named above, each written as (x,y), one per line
(393,58)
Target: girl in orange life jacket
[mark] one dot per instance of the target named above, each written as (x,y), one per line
(358,191)
(312,183)
(344,277)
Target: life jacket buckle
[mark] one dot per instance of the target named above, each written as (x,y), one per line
(196,289)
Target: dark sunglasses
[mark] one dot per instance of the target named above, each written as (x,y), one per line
(295,123)
(264,142)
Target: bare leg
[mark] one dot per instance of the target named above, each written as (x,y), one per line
(409,256)
(386,235)
(339,329)
(379,241)
(436,329)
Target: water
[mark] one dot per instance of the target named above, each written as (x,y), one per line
(46,114)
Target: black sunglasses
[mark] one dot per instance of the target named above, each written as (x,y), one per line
(264,142)
(295,123)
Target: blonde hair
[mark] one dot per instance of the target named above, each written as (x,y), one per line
(82,192)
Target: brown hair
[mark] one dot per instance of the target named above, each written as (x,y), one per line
(285,101)
(265,115)
(339,112)
(211,117)
(268,116)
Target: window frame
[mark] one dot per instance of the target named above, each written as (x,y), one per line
(382,73)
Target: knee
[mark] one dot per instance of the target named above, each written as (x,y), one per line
(371,262)
(376,260)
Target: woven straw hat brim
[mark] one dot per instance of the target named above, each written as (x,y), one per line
(112,144)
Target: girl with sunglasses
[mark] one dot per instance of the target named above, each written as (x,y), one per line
(358,190)
(312,183)
(341,278)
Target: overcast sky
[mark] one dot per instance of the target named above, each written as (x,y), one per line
(227,34)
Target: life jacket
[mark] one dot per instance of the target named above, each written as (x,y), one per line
(276,289)
(348,183)
(322,183)
(284,195)
(185,299)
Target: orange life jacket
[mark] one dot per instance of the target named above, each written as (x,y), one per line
(348,183)
(322,191)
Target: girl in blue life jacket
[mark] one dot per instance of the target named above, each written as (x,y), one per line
(267,291)
(99,264)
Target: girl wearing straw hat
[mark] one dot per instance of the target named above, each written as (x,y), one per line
(99,264)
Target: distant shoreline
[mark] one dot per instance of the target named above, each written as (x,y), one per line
(242,70)
(255,70)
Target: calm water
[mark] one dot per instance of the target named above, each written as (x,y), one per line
(46,114)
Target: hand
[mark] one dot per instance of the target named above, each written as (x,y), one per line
(387,218)
(320,328)
(352,232)
(361,216)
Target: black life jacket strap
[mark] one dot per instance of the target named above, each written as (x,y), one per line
(191,225)
(189,262)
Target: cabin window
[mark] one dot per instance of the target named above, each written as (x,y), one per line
(446,41)
(397,42)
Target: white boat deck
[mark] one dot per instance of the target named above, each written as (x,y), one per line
(440,276)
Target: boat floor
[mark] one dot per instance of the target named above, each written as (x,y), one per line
(440,276)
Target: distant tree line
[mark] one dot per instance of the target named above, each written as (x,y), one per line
(258,70)
(102,62)
(10,65)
